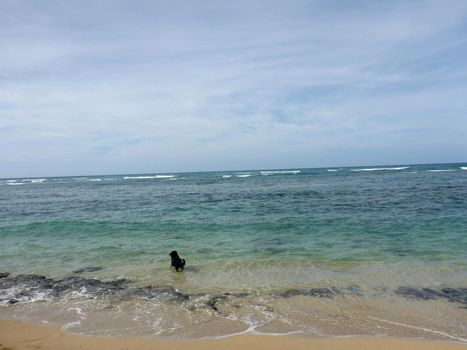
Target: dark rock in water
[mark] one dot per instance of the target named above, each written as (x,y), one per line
(91,286)
(214,300)
(152,292)
(27,286)
(4,274)
(12,301)
(420,293)
(458,295)
(88,269)
(314,292)
(26,281)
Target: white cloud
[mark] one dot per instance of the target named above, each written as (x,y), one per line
(153,86)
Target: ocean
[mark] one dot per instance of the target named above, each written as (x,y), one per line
(377,250)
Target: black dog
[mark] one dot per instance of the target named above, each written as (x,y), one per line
(176,261)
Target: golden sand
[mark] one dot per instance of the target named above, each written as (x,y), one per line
(18,335)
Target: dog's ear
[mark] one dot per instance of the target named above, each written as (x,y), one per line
(173,253)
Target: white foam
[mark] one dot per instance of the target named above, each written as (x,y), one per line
(148,177)
(69,325)
(15,183)
(332,169)
(464,167)
(428,330)
(439,170)
(243,175)
(10,181)
(272,172)
(226,176)
(95,180)
(380,169)
(37,180)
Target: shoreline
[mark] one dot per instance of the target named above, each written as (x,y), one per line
(19,335)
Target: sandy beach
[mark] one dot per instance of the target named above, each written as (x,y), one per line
(18,335)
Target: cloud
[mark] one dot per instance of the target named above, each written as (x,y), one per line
(103,87)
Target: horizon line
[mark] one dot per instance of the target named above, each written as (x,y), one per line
(232,170)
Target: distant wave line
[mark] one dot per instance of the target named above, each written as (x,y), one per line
(148,177)
(380,169)
(272,172)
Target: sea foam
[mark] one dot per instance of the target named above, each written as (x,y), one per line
(273,172)
(382,169)
(148,177)
(37,180)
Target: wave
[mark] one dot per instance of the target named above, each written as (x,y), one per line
(37,180)
(243,175)
(148,177)
(15,183)
(273,172)
(332,169)
(464,167)
(226,176)
(439,170)
(382,169)
(95,180)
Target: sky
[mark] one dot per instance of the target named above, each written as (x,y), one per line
(114,87)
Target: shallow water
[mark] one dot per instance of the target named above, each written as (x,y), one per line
(369,250)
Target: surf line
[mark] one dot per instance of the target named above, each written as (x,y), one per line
(418,328)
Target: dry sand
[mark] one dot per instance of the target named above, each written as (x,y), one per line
(18,335)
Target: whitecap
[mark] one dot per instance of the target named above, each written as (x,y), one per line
(243,175)
(272,172)
(95,180)
(148,177)
(37,180)
(15,183)
(332,169)
(380,169)
(464,167)
(439,170)
(226,176)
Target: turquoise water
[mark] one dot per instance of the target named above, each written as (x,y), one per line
(373,227)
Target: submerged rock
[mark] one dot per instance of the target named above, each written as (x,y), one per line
(4,274)
(314,292)
(458,295)
(88,269)
(152,292)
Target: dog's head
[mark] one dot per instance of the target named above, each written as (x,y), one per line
(173,254)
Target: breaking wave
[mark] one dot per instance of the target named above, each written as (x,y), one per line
(148,177)
(382,169)
(274,172)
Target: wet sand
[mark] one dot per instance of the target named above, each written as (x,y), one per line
(19,335)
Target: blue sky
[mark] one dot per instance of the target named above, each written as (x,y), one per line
(102,87)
